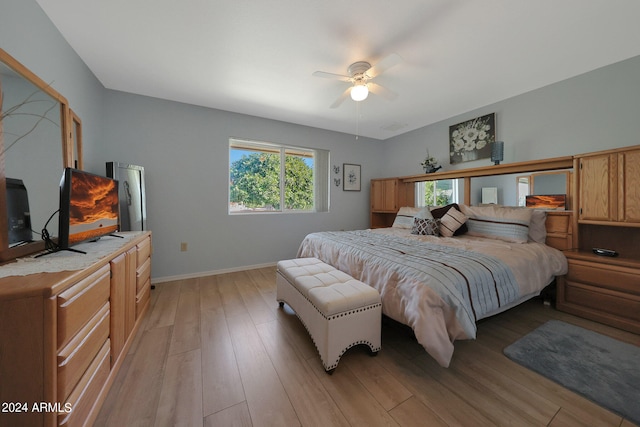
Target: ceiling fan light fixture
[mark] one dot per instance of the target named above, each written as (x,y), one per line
(359,92)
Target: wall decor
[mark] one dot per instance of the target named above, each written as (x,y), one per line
(351,177)
(472,140)
(336,181)
(336,169)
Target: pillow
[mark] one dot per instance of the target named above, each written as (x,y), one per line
(404,217)
(451,222)
(538,226)
(425,227)
(439,212)
(424,213)
(503,223)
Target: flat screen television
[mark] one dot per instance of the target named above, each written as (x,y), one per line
(133,205)
(18,212)
(88,207)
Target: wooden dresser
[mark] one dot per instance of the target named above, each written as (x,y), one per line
(64,335)
(605,289)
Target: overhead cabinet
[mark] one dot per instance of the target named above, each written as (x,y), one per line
(609,185)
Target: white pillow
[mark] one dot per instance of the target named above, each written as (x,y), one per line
(404,217)
(503,223)
(538,226)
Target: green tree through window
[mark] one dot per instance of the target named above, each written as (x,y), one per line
(257,179)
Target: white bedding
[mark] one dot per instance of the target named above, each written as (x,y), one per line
(439,299)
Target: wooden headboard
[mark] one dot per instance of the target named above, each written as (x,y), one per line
(559,229)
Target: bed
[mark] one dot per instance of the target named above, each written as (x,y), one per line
(440,282)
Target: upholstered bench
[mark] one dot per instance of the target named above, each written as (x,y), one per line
(337,310)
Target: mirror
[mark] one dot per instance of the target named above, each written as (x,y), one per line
(512,189)
(556,182)
(35,146)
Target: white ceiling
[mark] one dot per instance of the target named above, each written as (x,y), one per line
(257,56)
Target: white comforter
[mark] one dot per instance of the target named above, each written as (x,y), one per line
(436,296)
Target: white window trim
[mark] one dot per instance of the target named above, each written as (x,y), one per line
(321,177)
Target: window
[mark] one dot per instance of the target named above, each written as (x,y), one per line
(437,193)
(268,177)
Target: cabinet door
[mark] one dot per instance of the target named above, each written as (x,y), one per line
(384,195)
(598,188)
(629,186)
(118,304)
(130,292)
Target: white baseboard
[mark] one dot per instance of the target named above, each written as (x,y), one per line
(155,280)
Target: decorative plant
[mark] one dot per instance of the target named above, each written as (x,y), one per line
(430,164)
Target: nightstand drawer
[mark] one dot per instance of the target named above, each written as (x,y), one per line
(615,278)
(604,301)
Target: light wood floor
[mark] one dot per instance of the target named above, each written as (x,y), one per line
(217,351)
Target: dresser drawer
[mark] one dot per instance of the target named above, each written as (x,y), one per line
(144,251)
(143,297)
(84,395)
(615,278)
(601,300)
(81,302)
(143,274)
(81,350)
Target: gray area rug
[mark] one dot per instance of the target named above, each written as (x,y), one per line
(598,367)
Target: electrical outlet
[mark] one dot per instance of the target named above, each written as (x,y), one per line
(183,247)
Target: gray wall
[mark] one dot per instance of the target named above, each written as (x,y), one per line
(594,111)
(185,152)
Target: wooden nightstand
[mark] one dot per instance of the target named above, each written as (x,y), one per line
(604,289)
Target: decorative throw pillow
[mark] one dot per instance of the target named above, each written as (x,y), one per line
(425,227)
(404,217)
(451,221)
(439,212)
(502,223)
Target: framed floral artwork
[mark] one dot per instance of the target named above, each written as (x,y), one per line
(351,177)
(472,140)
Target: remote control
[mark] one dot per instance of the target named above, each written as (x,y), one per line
(605,252)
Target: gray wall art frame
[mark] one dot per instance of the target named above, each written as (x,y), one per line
(472,139)
(350,177)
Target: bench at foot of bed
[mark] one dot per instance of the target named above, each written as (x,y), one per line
(337,310)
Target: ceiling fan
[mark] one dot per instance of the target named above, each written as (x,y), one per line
(360,75)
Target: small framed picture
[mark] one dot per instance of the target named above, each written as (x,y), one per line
(350,177)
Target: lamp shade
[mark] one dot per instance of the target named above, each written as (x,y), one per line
(359,92)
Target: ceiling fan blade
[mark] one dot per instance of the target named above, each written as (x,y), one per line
(384,64)
(341,99)
(382,91)
(332,76)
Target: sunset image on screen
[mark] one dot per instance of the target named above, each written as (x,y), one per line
(94,207)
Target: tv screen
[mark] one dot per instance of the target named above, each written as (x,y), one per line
(88,207)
